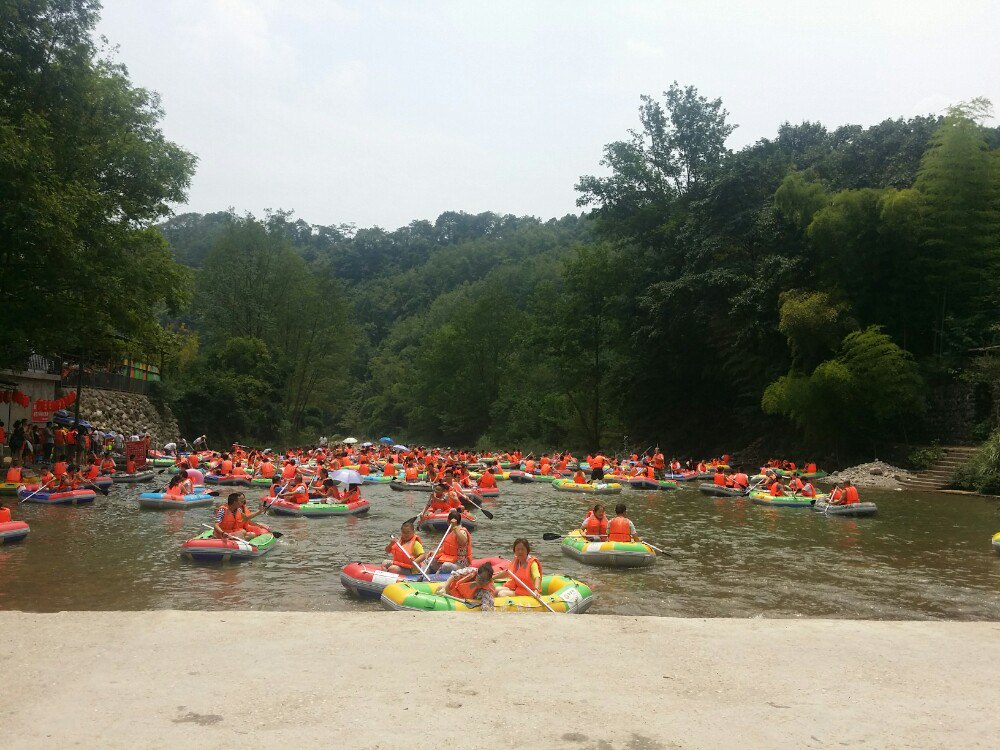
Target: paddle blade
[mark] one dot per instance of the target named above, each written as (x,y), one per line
(486,512)
(550,536)
(412,520)
(277,534)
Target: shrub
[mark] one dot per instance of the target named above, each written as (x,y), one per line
(982,472)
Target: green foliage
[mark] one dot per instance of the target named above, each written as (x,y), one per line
(271,328)
(862,397)
(814,324)
(924,458)
(982,472)
(959,181)
(798,198)
(84,170)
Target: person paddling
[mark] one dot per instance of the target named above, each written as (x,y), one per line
(527,569)
(404,552)
(473,585)
(230,521)
(621,528)
(456,547)
(595,525)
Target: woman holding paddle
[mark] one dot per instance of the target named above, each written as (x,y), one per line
(525,572)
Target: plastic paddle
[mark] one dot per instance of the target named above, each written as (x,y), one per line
(410,558)
(530,591)
(477,505)
(37,491)
(430,561)
(97,488)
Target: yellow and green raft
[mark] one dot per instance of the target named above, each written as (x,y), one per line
(996,541)
(563,594)
(608,554)
(568,485)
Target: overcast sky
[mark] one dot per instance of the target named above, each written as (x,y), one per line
(379,113)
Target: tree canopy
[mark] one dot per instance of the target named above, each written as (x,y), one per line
(84,172)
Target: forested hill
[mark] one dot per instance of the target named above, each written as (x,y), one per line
(818,285)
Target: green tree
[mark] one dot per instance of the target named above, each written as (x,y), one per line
(959,181)
(84,171)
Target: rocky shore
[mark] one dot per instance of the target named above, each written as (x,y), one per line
(128,413)
(876,474)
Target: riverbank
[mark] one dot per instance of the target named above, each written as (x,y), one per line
(380,680)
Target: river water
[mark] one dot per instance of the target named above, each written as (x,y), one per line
(925,556)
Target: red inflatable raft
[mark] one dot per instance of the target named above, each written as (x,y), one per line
(13,531)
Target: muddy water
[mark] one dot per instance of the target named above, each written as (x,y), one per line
(924,556)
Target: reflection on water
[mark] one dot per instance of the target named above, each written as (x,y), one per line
(923,556)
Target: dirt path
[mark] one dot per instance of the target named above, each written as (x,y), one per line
(380,680)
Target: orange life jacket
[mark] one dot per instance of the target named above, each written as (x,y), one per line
(94,471)
(300,494)
(719,479)
(579,478)
(363,469)
(267,470)
(524,574)
(851,496)
(231,521)
(595,526)
(108,465)
(777,490)
(470,589)
(4,515)
(450,548)
(226,468)
(487,480)
(389,470)
(398,558)
(14,474)
(619,530)
(529,466)
(412,474)
(597,462)
(59,468)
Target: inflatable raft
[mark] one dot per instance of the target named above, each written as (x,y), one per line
(607,554)
(163,501)
(226,481)
(562,593)
(368,581)
(598,488)
(782,501)
(483,491)
(10,488)
(207,548)
(996,541)
(379,479)
(717,490)
(64,497)
(319,509)
(162,462)
(642,483)
(412,486)
(854,509)
(13,531)
(439,522)
(140,476)
(102,482)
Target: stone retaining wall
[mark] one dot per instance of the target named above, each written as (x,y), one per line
(128,413)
